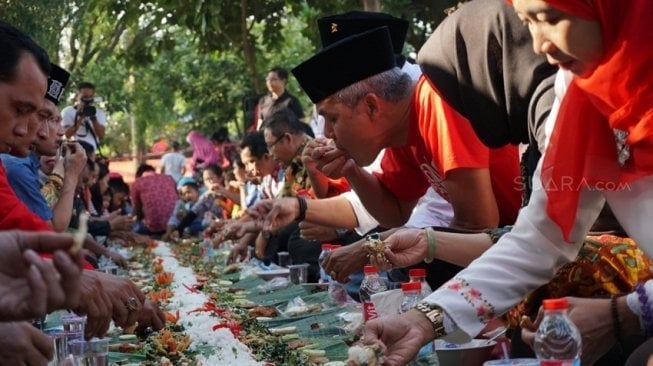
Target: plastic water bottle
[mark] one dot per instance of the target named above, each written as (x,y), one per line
(206,248)
(419,275)
(324,277)
(371,284)
(412,295)
(557,341)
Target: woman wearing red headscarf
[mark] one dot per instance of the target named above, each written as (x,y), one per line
(601,149)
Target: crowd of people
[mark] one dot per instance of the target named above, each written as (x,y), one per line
(510,162)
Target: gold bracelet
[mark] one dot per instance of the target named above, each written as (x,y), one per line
(430,242)
(435,315)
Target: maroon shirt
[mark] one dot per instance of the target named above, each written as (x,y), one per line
(156,195)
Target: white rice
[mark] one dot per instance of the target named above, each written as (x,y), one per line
(225,349)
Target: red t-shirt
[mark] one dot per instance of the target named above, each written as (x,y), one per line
(157,195)
(441,140)
(14,214)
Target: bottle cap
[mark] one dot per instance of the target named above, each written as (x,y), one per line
(417,272)
(411,286)
(326,246)
(370,269)
(555,304)
(335,246)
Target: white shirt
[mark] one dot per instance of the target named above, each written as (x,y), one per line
(534,250)
(83,134)
(173,165)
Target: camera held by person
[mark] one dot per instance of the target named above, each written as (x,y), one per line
(85,121)
(86,109)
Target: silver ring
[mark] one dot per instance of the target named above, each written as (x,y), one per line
(131,304)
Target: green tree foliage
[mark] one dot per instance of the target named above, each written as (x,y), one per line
(176,65)
(42,19)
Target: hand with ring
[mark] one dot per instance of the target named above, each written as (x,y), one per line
(131,304)
(106,297)
(345,260)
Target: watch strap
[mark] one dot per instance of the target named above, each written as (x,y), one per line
(435,315)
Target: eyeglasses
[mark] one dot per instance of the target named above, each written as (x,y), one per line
(275,142)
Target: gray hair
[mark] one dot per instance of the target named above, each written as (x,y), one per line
(391,85)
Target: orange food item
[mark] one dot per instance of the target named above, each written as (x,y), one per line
(164,278)
(162,295)
(172,317)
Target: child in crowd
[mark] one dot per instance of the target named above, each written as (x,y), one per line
(189,194)
(120,196)
(208,207)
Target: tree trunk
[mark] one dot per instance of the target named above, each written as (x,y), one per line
(248,49)
(372,5)
(136,155)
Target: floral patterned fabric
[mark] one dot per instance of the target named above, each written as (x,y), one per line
(606,265)
(296,182)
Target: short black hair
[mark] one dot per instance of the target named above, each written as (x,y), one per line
(221,135)
(214,168)
(88,148)
(239,163)
(85,85)
(283,121)
(256,143)
(90,164)
(143,168)
(280,71)
(192,185)
(118,185)
(103,169)
(13,44)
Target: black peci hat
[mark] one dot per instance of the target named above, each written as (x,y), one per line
(336,27)
(56,83)
(345,62)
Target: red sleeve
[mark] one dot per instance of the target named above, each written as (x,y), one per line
(337,186)
(14,215)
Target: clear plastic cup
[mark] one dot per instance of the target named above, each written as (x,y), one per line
(513,362)
(110,269)
(90,353)
(298,273)
(73,326)
(284,259)
(60,343)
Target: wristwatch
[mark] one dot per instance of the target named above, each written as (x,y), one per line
(435,315)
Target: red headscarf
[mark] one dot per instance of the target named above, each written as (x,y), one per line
(617,95)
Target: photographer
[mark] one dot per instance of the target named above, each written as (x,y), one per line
(84,120)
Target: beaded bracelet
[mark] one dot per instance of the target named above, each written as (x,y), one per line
(645,306)
(496,234)
(616,324)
